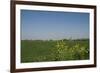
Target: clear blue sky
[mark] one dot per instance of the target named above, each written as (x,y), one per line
(43,25)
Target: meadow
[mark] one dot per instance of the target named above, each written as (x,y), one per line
(54,50)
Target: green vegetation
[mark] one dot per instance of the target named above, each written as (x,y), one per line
(54,50)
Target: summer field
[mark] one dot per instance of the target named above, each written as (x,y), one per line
(54,50)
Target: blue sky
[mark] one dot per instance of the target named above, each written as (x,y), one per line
(45,25)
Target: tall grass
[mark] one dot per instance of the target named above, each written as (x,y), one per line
(54,50)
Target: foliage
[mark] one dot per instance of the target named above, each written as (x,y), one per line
(54,50)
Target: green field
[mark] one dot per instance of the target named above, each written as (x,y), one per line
(54,50)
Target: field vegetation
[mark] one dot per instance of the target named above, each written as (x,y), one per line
(54,50)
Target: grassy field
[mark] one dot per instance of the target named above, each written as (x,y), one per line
(54,50)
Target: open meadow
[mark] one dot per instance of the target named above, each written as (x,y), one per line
(54,50)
